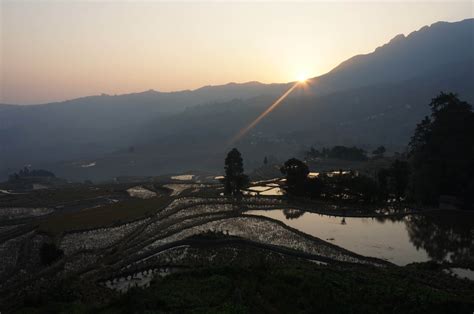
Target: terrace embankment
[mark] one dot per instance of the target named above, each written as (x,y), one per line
(158,229)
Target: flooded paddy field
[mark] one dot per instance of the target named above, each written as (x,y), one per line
(152,231)
(414,238)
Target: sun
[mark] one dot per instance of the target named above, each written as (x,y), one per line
(302,78)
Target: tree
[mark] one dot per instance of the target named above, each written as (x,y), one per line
(314,187)
(442,152)
(399,176)
(296,173)
(312,153)
(379,152)
(27,173)
(347,153)
(394,180)
(235,179)
(355,187)
(383,181)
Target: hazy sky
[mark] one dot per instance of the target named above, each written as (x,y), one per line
(57,50)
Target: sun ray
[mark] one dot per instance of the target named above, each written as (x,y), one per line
(246,129)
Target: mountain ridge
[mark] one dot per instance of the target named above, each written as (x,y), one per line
(396,39)
(408,70)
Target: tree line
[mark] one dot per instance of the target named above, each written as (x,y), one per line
(439,165)
(28,173)
(338,152)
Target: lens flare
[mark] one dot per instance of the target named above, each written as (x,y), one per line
(302,79)
(245,130)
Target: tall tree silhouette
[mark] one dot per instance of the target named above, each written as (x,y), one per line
(235,179)
(296,173)
(442,152)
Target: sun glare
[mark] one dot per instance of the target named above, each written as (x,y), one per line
(301,78)
(244,131)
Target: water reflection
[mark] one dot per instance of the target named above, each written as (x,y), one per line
(292,213)
(270,189)
(443,236)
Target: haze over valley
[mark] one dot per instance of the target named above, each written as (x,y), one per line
(368,100)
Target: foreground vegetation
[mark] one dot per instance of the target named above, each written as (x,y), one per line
(267,288)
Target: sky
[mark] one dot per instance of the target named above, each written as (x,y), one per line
(58,50)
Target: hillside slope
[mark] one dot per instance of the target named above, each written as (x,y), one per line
(367,100)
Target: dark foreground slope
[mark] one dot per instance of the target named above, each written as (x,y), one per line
(282,285)
(181,247)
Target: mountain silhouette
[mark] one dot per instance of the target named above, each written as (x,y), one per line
(367,100)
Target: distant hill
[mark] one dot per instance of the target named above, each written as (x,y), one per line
(94,125)
(368,100)
(403,58)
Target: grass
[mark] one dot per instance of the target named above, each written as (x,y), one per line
(103,216)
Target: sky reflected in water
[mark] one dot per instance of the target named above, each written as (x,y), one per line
(398,241)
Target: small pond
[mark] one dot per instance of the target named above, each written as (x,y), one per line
(417,238)
(269,189)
